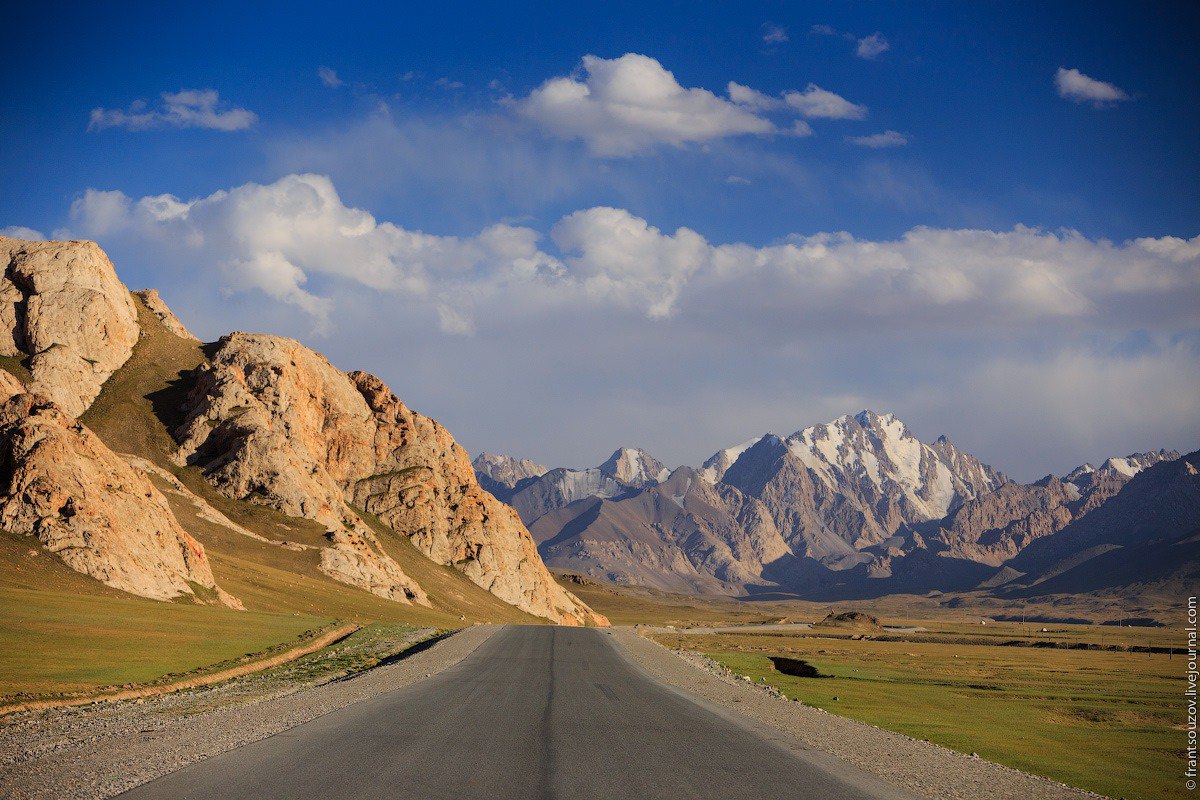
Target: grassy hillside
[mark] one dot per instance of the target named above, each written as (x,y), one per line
(62,631)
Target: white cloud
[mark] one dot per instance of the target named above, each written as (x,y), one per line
(752,98)
(815,102)
(21,232)
(871,47)
(625,105)
(879,140)
(1075,86)
(738,180)
(281,237)
(329,77)
(190,108)
(274,237)
(620,257)
(774,34)
(824,30)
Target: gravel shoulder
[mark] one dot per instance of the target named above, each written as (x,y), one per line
(100,751)
(922,768)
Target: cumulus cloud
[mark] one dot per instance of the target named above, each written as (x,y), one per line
(871,47)
(880,140)
(329,77)
(814,102)
(623,105)
(190,108)
(627,105)
(282,237)
(1073,85)
(275,237)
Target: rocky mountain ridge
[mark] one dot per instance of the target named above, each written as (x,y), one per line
(854,505)
(267,420)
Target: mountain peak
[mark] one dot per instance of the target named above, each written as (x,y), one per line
(870,419)
(634,467)
(714,468)
(506,470)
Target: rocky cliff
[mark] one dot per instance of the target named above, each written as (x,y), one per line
(63,310)
(272,422)
(61,484)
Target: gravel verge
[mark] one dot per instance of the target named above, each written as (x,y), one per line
(101,751)
(925,769)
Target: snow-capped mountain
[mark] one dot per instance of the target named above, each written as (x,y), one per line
(714,468)
(1128,466)
(841,507)
(875,456)
(506,471)
(627,469)
(633,466)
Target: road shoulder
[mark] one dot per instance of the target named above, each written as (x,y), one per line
(924,769)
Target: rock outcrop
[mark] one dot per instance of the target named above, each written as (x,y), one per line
(273,422)
(62,305)
(60,483)
(165,315)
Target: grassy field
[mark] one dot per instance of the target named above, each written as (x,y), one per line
(626,606)
(1103,721)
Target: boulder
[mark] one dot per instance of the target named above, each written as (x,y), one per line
(165,315)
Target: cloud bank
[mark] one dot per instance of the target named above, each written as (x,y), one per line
(274,238)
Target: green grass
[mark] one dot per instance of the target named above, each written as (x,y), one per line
(17,366)
(1102,721)
(63,632)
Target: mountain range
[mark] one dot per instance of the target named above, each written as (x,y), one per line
(248,472)
(859,507)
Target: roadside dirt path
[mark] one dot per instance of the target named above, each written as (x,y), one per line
(157,690)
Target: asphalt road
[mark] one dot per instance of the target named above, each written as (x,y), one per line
(535,712)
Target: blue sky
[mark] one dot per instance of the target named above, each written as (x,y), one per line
(490,221)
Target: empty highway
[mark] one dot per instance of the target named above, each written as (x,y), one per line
(535,712)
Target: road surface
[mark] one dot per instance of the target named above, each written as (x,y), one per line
(536,712)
